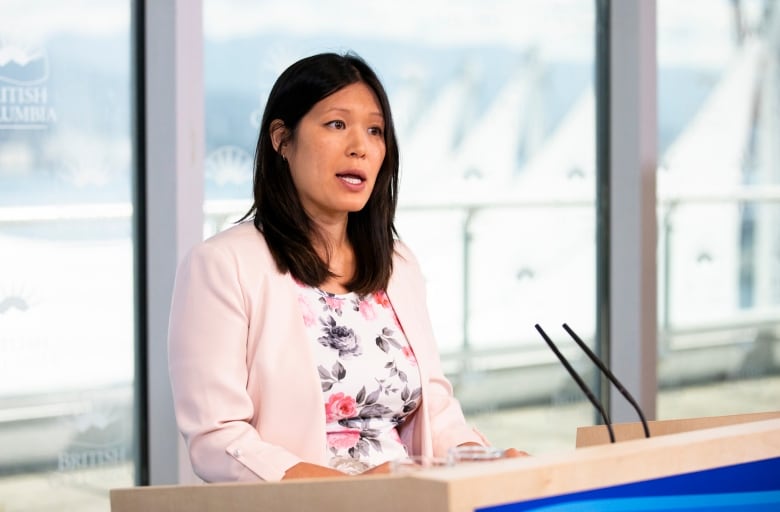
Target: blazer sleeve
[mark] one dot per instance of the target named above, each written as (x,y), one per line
(447,426)
(207,357)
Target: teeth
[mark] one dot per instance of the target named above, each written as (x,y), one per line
(352,180)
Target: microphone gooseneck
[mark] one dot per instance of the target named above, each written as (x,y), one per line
(581,383)
(605,369)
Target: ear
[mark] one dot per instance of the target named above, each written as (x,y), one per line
(278,133)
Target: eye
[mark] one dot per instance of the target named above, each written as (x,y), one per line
(338,124)
(376,130)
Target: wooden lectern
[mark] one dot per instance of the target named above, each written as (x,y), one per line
(726,463)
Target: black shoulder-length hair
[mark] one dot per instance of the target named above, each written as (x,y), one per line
(277,211)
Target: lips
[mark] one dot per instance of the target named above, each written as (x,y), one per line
(352,177)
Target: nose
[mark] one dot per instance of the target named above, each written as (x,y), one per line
(357,144)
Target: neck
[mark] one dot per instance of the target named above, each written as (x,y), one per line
(340,258)
(334,248)
(332,238)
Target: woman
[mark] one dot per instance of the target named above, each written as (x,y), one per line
(300,343)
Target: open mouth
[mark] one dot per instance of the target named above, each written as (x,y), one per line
(352,179)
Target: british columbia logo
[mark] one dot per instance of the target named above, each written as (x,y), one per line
(24,95)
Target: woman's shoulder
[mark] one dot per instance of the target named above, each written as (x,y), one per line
(239,242)
(402,253)
(404,260)
(242,232)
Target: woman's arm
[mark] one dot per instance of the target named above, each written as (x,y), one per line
(447,424)
(444,425)
(208,370)
(307,470)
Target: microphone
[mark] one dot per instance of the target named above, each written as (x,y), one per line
(614,380)
(576,376)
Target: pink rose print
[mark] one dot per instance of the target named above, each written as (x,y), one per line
(309,317)
(409,355)
(334,303)
(367,310)
(344,439)
(339,406)
(381,299)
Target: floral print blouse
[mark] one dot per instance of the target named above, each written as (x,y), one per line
(370,381)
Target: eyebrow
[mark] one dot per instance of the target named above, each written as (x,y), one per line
(349,111)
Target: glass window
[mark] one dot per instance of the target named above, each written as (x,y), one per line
(494,108)
(719,168)
(66,254)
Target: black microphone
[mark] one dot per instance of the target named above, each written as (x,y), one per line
(576,376)
(603,367)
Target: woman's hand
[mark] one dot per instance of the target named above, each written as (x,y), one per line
(509,453)
(307,470)
(382,469)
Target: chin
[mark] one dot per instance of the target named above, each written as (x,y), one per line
(356,206)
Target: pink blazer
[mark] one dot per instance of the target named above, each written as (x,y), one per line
(246,391)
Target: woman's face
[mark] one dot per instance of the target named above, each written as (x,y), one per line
(336,153)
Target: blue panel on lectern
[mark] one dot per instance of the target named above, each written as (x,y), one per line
(768,501)
(749,487)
